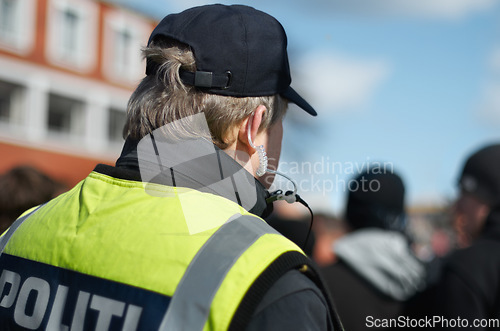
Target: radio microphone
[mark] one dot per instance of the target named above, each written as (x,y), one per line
(288,196)
(291,197)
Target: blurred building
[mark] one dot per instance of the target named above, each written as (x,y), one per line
(67,69)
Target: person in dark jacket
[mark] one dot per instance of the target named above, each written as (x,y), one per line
(467,292)
(376,269)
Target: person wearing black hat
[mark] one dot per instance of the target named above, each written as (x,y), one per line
(479,193)
(466,292)
(171,238)
(376,271)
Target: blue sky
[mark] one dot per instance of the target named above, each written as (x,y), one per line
(415,83)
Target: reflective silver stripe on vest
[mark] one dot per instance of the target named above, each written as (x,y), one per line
(190,305)
(6,237)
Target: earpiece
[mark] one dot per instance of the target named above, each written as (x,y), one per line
(289,196)
(261,170)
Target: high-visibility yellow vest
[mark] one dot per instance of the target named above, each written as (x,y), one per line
(108,255)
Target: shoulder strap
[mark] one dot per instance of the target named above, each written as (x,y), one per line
(190,305)
(284,263)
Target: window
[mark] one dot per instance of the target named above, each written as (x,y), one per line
(123,50)
(69,27)
(72,34)
(124,36)
(8,15)
(17,19)
(115,125)
(65,116)
(11,103)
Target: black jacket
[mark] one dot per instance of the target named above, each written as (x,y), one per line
(468,286)
(375,274)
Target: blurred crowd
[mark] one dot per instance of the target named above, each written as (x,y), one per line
(24,187)
(382,262)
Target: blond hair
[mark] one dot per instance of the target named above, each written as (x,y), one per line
(162,98)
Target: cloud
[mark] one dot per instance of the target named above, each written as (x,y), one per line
(437,9)
(494,61)
(490,104)
(492,98)
(448,9)
(333,82)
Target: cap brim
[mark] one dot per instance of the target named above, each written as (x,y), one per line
(294,97)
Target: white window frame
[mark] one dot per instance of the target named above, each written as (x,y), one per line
(84,57)
(117,21)
(21,39)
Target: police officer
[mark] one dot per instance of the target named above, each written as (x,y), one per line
(171,237)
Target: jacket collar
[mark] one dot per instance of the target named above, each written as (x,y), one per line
(208,169)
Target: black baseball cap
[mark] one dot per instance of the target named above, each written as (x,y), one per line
(239,51)
(481,174)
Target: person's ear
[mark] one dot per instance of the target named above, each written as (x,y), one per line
(249,129)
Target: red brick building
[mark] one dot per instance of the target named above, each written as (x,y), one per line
(67,69)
